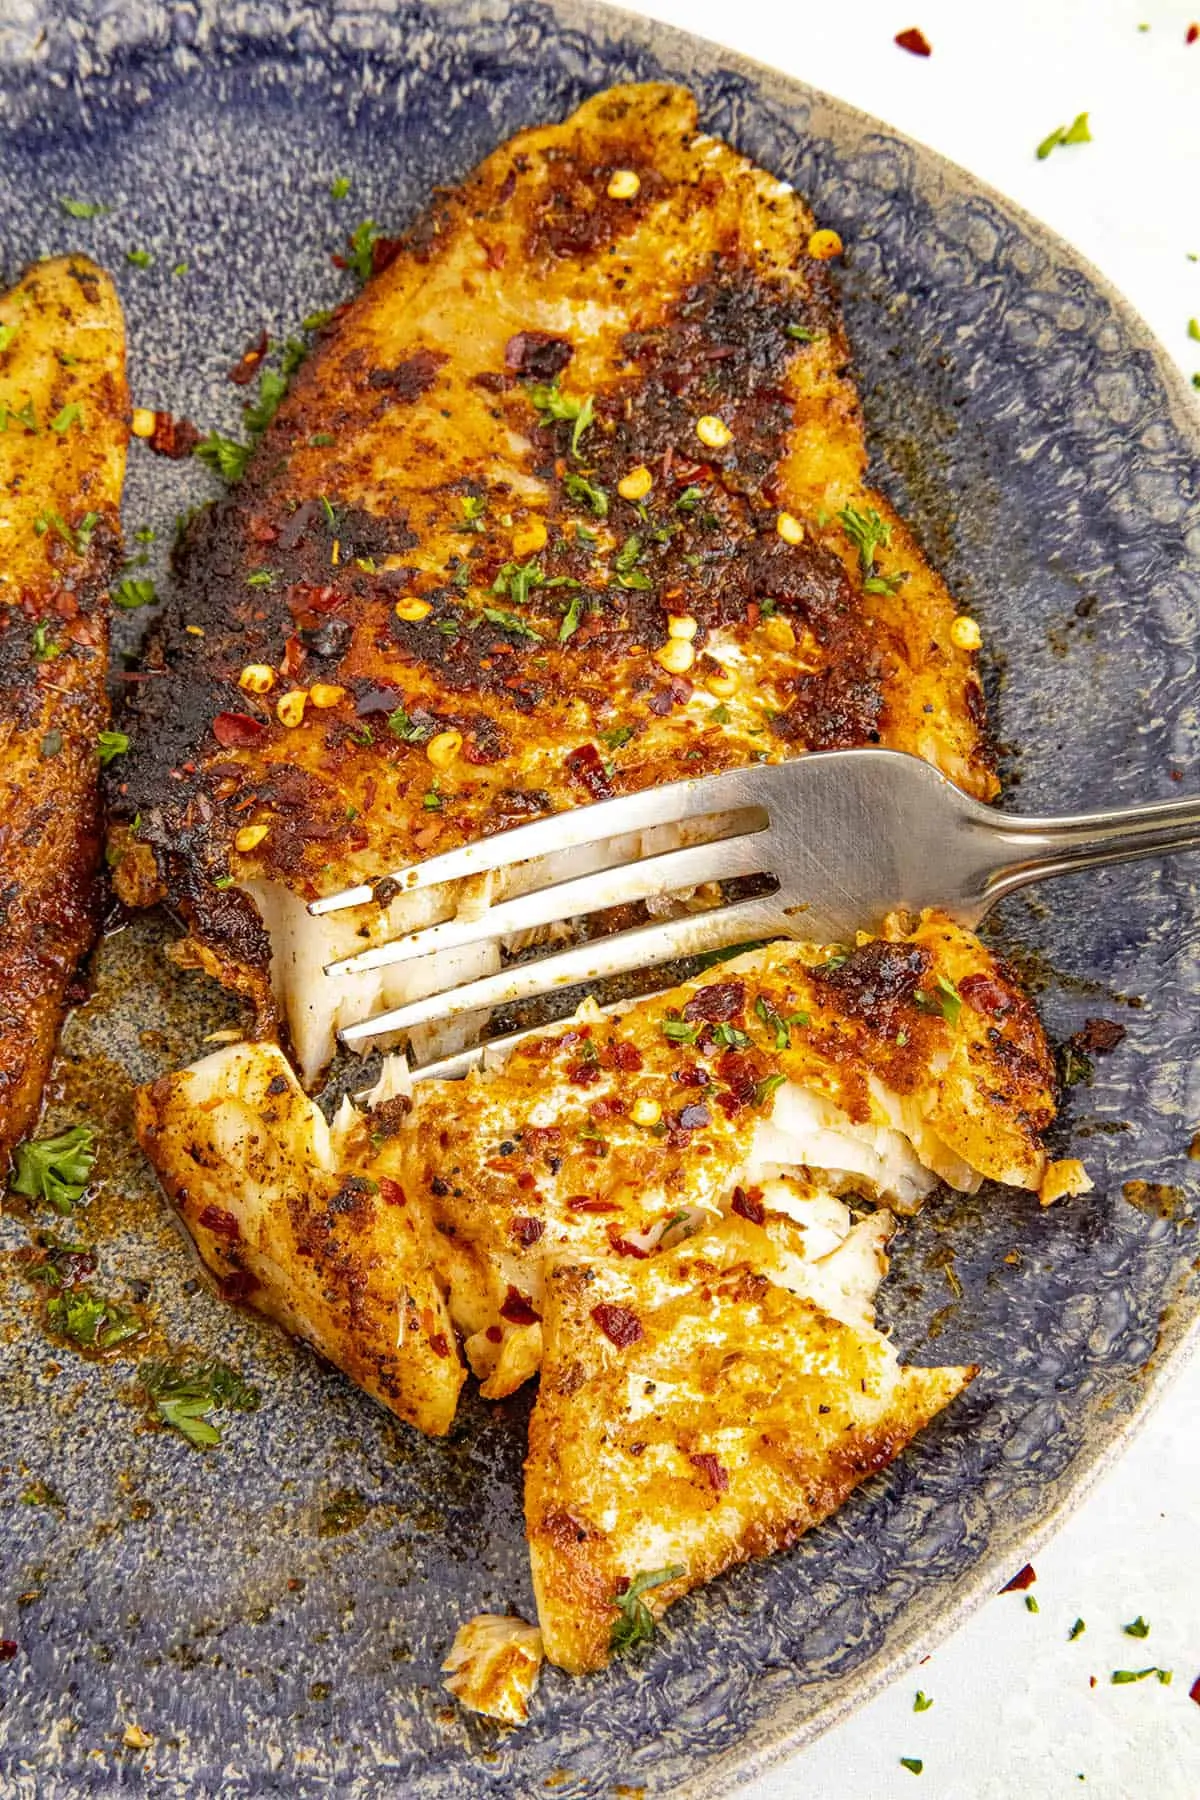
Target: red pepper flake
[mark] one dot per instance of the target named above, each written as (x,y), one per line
(494,1335)
(9,1647)
(622,1246)
(438,1344)
(172,437)
(1193,32)
(246,366)
(590,1203)
(216,1219)
(624,1056)
(517,1310)
(238,1285)
(1194,1691)
(717,1003)
(611,1108)
(583,1074)
(588,769)
(621,1326)
(237,731)
(526,1231)
(710,1465)
(986,995)
(749,1205)
(1023,1579)
(914,41)
(391,1192)
(692,1075)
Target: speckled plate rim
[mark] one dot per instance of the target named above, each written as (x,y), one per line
(929,1624)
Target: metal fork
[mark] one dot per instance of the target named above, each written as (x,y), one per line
(843,836)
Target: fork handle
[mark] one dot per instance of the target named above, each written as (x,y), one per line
(1035,849)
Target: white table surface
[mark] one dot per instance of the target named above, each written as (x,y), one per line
(1014,1715)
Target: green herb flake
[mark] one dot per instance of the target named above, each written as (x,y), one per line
(636,1623)
(111,744)
(617,737)
(272,386)
(7,334)
(134,591)
(24,415)
(56,1168)
(223,455)
(408,730)
(801,334)
(1077,1630)
(689,500)
(432,801)
(71,414)
(508,621)
(1076,133)
(678,1031)
(556,407)
(186,1399)
(588,493)
(572,617)
(339,187)
(765,1090)
(361,258)
(321,440)
(1193,331)
(1031,1604)
(141,259)
(867,531)
(313,321)
(922,1703)
(1138,1629)
(42,645)
(730,1037)
(83,209)
(775,1023)
(474,506)
(180,268)
(1122,1677)
(913,1764)
(515,580)
(92,1320)
(261,578)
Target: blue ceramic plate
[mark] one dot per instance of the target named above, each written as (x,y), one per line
(272,1615)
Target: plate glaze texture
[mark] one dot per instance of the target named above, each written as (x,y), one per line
(272,1615)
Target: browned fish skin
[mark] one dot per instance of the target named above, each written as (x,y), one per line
(695,298)
(67,349)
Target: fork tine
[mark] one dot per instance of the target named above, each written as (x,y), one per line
(721,860)
(566,830)
(637,949)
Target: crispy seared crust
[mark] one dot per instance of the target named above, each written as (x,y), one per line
(67,349)
(693,1414)
(664,308)
(299,1232)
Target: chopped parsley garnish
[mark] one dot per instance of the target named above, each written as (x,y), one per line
(1121,1677)
(408,730)
(42,645)
(765,1089)
(629,553)
(1077,1630)
(272,386)
(339,187)
(7,334)
(313,321)
(260,578)
(1031,1604)
(77,540)
(1076,133)
(885,584)
(514,580)
(92,1320)
(134,591)
(473,508)
(71,414)
(141,259)
(678,1031)
(831,964)
(555,407)
(867,531)
(111,744)
(432,801)
(730,1037)
(1193,331)
(617,737)
(83,209)
(1138,1628)
(922,1703)
(361,258)
(321,440)
(777,1024)
(56,1168)
(495,615)
(636,1622)
(24,415)
(801,334)
(572,617)
(223,455)
(180,268)
(635,580)
(291,356)
(913,1764)
(577,487)
(945,999)
(689,500)
(187,1399)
